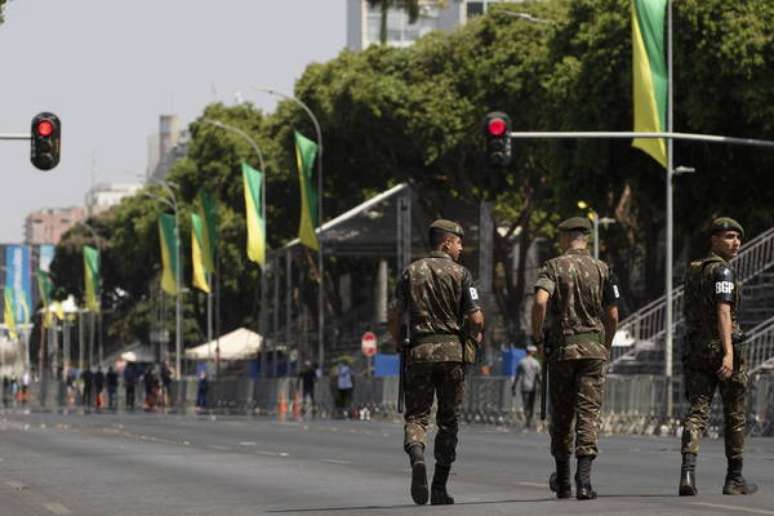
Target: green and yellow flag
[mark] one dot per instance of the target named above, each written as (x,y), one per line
(306,150)
(650,75)
(168,240)
(45,288)
(207,210)
(256,226)
(9,313)
(197,246)
(91,277)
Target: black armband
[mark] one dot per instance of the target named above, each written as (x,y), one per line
(723,284)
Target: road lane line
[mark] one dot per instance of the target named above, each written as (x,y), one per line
(16,485)
(57,508)
(335,461)
(247,443)
(532,484)
(732,508)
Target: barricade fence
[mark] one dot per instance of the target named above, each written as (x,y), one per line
(633,404)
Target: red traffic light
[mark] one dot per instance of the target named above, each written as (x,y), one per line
(497,126)
(44,128)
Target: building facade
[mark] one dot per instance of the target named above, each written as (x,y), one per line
(364,21)
(48,225)
(104,196)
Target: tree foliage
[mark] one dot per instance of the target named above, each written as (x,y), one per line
(391,115)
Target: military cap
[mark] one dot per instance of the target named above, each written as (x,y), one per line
(575,224)
(726,224)
(449,226)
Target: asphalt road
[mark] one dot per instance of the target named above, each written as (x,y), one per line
(150,464)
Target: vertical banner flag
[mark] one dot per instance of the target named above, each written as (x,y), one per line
(169,243)
(209,215)
(650,75)
(306,150)
(44,291)
(91,277)
(18,281)
(197,246)
(256,226)
(9,317)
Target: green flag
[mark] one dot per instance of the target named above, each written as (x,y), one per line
(9,313)
(199,276)
(44,288)
(207,210)
(651,79)
(256,226)
(306,150)
(91,277)
(169,243)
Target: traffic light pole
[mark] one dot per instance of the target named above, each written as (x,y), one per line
(15,136)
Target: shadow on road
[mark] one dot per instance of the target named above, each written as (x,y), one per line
(403,506)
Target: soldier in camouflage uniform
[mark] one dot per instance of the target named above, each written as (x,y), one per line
(582,292)
(715,356)
(437,296)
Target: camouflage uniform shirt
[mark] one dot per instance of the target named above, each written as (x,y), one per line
(579,287)
(438,293)
(708,282)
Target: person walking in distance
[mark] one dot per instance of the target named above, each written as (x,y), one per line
(112,388)
(715,356)
(437,297)
(528,372)
(581,295)
(130,382)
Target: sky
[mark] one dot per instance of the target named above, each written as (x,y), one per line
(109,68)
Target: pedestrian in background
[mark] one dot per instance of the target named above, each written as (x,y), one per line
(584,316)
(307,378)
(715,357)
(437,296)
(201,390)
(87,378)
(166,383)
(528,372)
(345,384)
(130,380)
(99,385)
(112,388)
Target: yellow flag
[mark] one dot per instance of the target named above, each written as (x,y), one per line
(199,277)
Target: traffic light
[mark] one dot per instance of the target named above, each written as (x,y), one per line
(45,141)
(497,132)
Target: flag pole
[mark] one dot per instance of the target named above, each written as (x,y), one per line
(668,347)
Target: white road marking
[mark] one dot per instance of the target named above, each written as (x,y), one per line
(732,508)
(532,484)
(16,485)
(335,461)
(247,443)
(57,508)
(219,448)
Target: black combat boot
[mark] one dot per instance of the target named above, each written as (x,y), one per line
(688,475)
(735,482)
(560,479)
(419,492)
(438,494)
(583,489)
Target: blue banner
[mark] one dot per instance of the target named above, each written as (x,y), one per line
(386,364)
(17,279)
(511,359)
(46,257)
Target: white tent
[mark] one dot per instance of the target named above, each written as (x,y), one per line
(239,344)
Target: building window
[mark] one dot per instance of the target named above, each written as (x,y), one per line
(475,9)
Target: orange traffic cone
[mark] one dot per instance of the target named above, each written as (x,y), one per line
(297,406)
(283,406)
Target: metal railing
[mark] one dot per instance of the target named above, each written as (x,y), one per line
(760,346)
(648,323)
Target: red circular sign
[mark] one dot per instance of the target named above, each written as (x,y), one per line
(368,343)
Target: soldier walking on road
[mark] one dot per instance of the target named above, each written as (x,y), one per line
(715,356)
(583,299)
(437,296)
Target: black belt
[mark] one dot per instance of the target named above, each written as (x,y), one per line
(436,338)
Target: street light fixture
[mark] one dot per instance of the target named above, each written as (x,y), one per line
(320,263)
(262,165)
(171,201)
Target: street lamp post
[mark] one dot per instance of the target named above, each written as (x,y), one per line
(320,263)
(263,319)
(171,201)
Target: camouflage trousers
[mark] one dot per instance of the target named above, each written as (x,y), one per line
(575,392)
(700,387)
(424,381)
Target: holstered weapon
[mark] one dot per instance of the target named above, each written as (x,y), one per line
(405,342)
(544,376)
